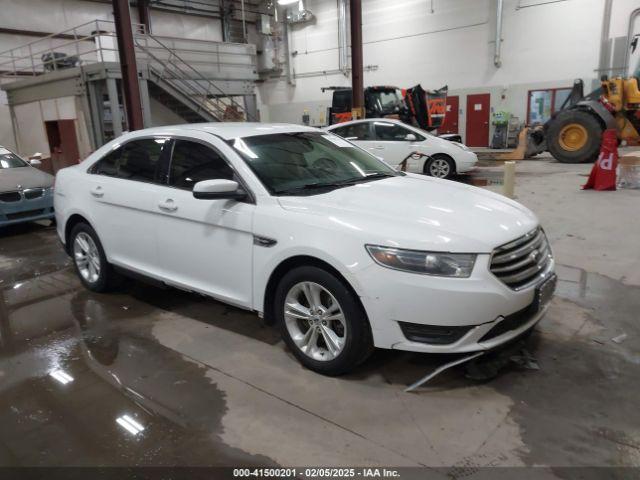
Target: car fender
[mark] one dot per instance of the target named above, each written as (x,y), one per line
(265,266)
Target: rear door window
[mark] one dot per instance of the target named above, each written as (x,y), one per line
(136,160)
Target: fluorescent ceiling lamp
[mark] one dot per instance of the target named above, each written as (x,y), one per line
(287,2)
(61,376)
(129,424)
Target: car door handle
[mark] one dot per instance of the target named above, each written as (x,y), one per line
(377,147)
(168,206)
(97,192)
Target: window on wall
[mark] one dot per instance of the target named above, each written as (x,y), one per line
(544,103)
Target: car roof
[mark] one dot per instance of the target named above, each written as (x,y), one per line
(365,120)
(227,130)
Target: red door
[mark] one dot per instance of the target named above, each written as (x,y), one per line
(450,124)
(63,143)
(478,120)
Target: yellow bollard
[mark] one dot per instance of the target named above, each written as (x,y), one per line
(508,186)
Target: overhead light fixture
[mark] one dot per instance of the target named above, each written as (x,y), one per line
(287,2)
(61,376)
(129,424)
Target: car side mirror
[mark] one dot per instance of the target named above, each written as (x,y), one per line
(218,189)
(410,137)
(35,160)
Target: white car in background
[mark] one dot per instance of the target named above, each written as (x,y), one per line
(341,251)
(394,141)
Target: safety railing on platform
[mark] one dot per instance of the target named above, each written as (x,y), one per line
(91,42)
(172,60)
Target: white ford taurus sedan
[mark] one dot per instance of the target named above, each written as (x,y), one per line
(318,236)
(394,141)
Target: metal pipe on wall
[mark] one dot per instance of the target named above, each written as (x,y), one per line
(343,56)
(357,80)
(604,59)
(128,66)
(497,60)
(144,14)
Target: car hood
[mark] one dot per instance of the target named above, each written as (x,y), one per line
(418,212)
(26,177)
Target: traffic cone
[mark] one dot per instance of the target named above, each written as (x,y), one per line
(603,173)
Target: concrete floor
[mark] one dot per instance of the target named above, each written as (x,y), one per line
(212,386)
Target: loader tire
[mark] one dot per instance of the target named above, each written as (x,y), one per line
(574,136)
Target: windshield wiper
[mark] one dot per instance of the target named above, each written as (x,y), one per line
(311,186)
(338,184)
(371,176)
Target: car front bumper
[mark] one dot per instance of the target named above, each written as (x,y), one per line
(27,210)
(479,303)
(466,162)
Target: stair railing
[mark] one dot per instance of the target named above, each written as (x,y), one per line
(187,80)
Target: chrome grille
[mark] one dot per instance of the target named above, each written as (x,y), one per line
(524,261)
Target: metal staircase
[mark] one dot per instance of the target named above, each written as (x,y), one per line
(183,89)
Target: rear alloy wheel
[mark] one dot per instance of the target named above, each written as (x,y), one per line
(574,136)
(322,321)
(440,166)
(90,260)
(87,258)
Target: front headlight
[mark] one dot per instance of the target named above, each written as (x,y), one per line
(440,264)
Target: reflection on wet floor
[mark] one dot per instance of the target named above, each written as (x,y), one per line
(84,383)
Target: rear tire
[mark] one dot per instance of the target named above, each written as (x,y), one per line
(440,166)
(90,261)
(342,338)
(574,136)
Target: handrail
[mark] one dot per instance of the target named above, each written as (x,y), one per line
(184,78)
(95,42)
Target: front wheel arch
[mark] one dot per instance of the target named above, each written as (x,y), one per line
(289,264)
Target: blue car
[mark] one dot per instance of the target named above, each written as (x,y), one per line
(26,193)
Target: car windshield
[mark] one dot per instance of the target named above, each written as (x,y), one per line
(304,163)
(387,100)
(10,160)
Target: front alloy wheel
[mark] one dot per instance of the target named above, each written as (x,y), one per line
(315,321)
(322,320)
(439,166)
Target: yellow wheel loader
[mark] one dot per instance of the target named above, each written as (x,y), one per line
(574,133)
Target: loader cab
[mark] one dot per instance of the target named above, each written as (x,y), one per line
(379,102)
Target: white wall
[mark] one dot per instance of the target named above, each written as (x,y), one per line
(544,45)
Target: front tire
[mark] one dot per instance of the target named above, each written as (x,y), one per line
(90,261)
(574,136)
(322,321)
(440,166)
